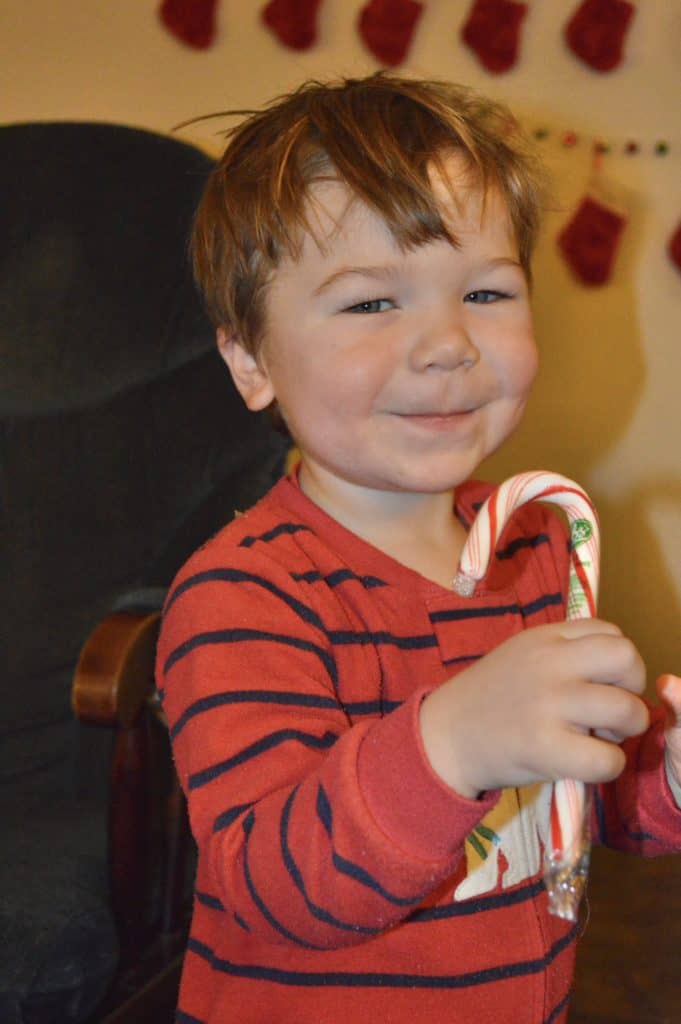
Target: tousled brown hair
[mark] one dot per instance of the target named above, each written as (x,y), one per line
(380,136)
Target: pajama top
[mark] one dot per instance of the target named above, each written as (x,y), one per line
(338,877)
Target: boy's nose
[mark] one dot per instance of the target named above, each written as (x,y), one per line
(443,347)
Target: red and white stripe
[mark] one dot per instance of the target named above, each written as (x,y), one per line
(568,854)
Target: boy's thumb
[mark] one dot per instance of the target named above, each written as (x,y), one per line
(668,689)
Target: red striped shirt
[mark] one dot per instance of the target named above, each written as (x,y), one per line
(337,874)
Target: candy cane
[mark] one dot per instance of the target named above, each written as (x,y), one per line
(567,857)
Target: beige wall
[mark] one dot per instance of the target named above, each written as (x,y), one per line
(608,407)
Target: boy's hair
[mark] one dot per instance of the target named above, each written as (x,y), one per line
(379,135)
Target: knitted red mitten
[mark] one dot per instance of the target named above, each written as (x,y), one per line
(492,31)
(387,27)
(674,247)
(192,21)
(294,22)
(595,33)
(589,242)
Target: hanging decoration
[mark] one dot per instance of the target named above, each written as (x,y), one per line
(190,21)
(387,27)
(294,22)
(632,147)
(492,30)
(589,242)
(596,32)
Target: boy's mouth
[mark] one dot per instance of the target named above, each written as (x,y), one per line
(443,414)
(440,420)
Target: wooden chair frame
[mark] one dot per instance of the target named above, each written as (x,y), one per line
(113,687)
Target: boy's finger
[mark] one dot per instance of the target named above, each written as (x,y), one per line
(591,759)
(607,658)
(612,712)
(572,629)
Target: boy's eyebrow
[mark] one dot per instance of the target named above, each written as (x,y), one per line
(503,261)
(381,272)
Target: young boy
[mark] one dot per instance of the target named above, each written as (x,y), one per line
(366,754)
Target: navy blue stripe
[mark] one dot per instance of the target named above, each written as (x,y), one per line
(232,636)
(186,1018)
(371,707)
(350,869)
(324,812)
(311,576)
(374,979)
(522,542)
(209,901)
(459,614)
(600,816)
(557,1010)
(315,909)
(333,579)
(358,874)
(409,643)
(225,819)
(546,601)
(465,908)
(262,745)
(343,575)
(277,531)
(228,575)
(257,899)
(286,698)
(461,658)
(638,837)
(240,921)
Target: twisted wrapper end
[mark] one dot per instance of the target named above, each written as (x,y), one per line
(463,584)
(566,880)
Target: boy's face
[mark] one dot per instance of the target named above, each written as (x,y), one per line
(395,371)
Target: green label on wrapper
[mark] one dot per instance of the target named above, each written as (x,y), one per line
(580,532)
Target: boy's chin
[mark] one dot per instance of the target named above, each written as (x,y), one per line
(425,483)
(417,476)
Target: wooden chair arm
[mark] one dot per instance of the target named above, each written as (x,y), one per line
(115,672)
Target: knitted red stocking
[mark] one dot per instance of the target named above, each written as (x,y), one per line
(674,247)
(192,21)
(596,32)
(492,31)
(294,22)
(590,241)
(387,27)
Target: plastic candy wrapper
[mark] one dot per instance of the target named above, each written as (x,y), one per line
(566,859)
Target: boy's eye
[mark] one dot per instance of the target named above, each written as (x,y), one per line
(483,296)
(371,306)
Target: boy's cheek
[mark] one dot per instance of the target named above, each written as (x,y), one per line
(520,373)
(528,368)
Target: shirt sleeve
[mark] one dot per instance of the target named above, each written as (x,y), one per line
(312,830)
(672,781)
(638,811)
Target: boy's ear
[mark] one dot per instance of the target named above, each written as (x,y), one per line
(250,378)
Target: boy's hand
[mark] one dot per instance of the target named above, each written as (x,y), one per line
(669,691)
(525,711)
